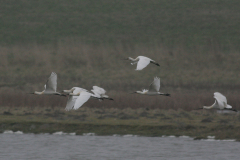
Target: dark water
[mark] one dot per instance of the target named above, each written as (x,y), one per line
(70,147)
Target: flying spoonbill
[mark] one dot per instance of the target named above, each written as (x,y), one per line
(71,98)
(50,86)
(78,98)
(220,103)
(100,93)
(142,62)
(155,85)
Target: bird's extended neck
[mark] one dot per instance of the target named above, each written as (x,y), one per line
(38,93)
(142,92)
(69,91)
(74,94)
(207,107)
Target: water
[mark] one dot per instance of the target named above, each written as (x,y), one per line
(71,147)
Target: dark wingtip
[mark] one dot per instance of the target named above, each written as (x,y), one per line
(155,63)
(60,94)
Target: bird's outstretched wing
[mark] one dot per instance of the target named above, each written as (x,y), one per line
(220,96)
(142,63)
(98,90)
(78,89)
(155,85)
(82,98)
(221,99)
(70,103)
(51,84)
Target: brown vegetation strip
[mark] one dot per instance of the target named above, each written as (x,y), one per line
(184,101)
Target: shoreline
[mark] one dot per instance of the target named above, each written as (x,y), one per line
(141,122)
(109,130)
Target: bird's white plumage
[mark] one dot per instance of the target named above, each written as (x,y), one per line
(155,85)
(78,90)
(229,106)
(51,84)
(153,89)
(142,62)
(82,98)
(215,105)
(100,93)
(70,103)
(98,90)
(72,99)
(50,88)
(220,102)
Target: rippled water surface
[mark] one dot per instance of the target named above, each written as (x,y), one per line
(71,147)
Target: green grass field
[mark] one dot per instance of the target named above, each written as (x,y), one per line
(170,23)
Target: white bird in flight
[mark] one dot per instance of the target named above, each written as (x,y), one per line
(78,96)
(100,93)
(142,62)
(50,86)
(153,89)
(220,103)
(76,93)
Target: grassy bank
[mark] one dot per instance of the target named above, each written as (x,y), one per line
(143,122)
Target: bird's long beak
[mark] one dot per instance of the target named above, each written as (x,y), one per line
(132,93)
(111,99)
(31,93)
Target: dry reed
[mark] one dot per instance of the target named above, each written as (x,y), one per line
(77,64)
(182,101)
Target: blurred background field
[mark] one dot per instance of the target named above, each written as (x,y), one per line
(195,42)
